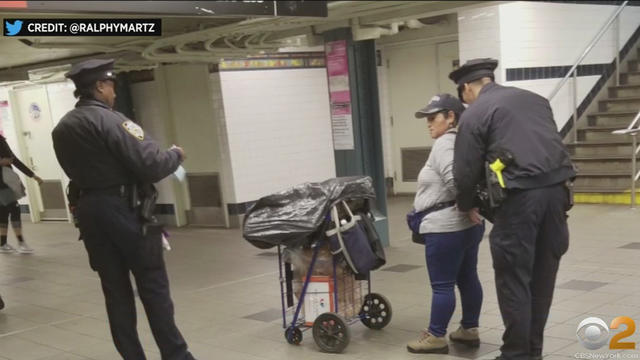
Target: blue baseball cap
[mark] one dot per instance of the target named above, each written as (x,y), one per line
(441,102)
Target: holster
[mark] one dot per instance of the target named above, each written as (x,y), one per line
(483,203)
(568,185)
(143,199)
(148,199)
(495,192)
(73,195)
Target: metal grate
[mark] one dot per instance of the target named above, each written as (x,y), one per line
(52,194)
(413,160)
(204,189)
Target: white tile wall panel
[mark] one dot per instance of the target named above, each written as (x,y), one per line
(536,34)
(152,116)
(278,128)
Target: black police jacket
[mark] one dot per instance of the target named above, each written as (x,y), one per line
(514,120)
(98,147)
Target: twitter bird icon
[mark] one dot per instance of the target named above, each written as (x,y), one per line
(13,29)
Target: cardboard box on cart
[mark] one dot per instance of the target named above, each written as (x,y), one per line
(320,291)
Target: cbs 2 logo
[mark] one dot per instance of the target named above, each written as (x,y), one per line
(593,333)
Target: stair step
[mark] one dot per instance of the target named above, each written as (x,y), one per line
(603,128)
(631,77)
(602,163)
(613,118)
(601,148)
(600,133)
(625,99)
(600,189)
(614,113)
(631,86)
(624,91)
(600,143)
(616,179)
(593,173)
(602,158)
(620,104)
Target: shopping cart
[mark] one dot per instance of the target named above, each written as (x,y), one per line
(319,291)
(341,294)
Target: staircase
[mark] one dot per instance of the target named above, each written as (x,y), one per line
(604,159)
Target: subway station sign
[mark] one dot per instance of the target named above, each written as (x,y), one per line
(178,8)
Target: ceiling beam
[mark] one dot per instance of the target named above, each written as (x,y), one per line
(427,9)
(20,72)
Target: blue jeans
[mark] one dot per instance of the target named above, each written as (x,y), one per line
(452,258)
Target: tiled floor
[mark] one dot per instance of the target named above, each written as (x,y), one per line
(227,299)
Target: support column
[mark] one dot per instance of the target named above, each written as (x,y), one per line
(361,155)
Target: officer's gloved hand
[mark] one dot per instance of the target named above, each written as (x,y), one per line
(183,155)
(6,161)
(474,216)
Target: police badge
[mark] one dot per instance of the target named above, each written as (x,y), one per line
(133,129)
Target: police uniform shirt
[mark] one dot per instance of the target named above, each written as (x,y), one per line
(99,148)
(516,120)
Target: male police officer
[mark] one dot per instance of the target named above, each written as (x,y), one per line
(530,231)
(105,155)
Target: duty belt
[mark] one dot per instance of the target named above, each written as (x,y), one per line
(119,190)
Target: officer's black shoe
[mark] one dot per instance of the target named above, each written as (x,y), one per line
(1,303)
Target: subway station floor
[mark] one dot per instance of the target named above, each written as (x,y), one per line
(227,295)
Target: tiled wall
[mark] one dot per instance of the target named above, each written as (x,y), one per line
(150,106)
(385,121)
(537,42)
(538,34)
(542,40)
(479,35)
(183,105)
(228,192)
(193,121)
(278,129)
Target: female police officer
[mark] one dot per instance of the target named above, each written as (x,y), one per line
(105,155)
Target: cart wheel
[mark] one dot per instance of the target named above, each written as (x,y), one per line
(331,333)
(376,311)
(293,335)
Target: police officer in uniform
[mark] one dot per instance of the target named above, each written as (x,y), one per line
(530,231)
(106,156)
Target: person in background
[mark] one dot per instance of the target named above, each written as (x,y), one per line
(451,237)
(12,208)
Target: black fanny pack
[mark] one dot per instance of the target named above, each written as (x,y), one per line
(414,218)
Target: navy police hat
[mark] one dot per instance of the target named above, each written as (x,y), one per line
(441,102)
(474,69)
(86,73)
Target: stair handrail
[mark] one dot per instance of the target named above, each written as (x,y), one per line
(573,72)
(633,129)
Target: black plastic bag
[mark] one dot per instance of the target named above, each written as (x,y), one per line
(293,217)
